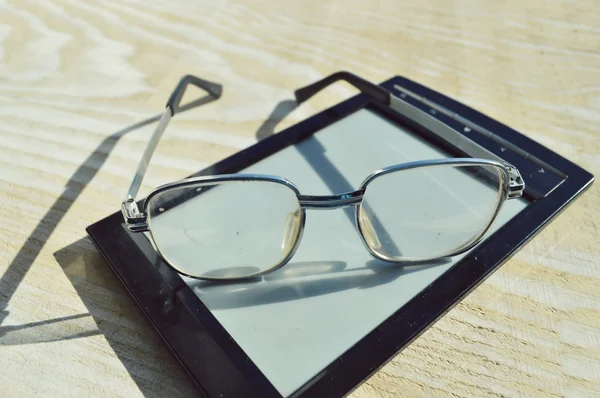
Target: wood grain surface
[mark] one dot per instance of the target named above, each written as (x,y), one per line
(80,84)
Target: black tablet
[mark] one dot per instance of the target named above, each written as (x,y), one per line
(333,315)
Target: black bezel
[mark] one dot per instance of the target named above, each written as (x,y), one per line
(216,362)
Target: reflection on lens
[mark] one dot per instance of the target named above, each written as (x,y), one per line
(430,211)
(227,230)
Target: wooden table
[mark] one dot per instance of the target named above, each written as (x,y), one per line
(81,80)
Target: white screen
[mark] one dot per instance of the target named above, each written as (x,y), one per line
(299,319)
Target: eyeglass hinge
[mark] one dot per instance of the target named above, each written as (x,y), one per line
(136,221)
(516,185)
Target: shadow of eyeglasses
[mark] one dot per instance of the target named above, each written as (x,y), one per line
(35,242)
(301,280)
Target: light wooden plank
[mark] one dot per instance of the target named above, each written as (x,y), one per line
(73,74)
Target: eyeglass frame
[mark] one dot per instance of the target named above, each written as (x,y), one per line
(512,183)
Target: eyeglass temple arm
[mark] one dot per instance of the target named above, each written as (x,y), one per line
(380,94)
(173,107)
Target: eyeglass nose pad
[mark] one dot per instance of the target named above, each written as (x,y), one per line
(290,232)
(368,231)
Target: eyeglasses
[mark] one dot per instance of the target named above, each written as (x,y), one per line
(237,226)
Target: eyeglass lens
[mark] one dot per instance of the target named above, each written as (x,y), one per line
(428,212)
(229,230)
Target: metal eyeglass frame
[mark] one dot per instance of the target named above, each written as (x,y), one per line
(512,185)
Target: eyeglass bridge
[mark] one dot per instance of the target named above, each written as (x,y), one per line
(331,201)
